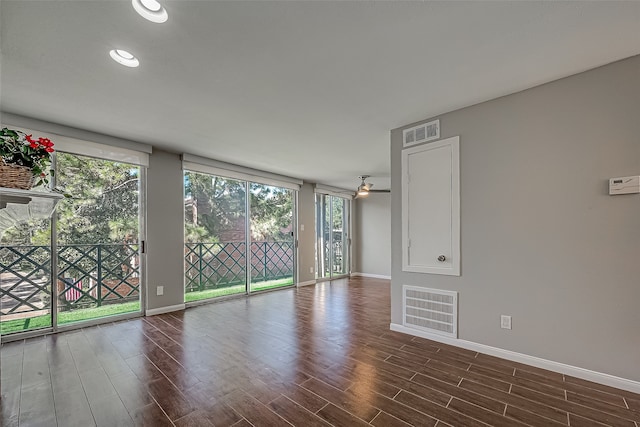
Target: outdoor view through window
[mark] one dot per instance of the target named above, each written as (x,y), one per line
(96,240)
(220,236)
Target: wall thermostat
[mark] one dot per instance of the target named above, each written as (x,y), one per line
(624,185)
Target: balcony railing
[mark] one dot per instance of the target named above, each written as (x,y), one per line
(100,274)
(88,276)
(221,265)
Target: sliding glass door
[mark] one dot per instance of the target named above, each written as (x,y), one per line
(272,244)
(340,242)
(98,238)
(215,236)
(332,236)
(226,231)
(86,263)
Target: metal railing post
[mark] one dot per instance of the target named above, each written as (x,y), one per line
(99,296)
(200,285)
(265,262)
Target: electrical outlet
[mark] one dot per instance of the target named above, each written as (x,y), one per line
(311,270)
(301,227)
(505,322)
(160,290)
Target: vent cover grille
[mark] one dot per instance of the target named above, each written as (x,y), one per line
(423,133)
(431,310)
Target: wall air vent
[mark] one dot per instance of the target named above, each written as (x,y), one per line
(423,133)
(430,310)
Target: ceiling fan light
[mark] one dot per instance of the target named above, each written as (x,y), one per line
(363,188)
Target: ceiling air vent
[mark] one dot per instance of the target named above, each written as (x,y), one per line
(423,133)
(431,310)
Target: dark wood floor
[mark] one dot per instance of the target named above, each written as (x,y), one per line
(319,355)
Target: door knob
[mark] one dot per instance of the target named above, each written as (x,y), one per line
(441,258)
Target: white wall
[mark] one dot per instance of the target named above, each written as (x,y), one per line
(372,237)
(541,239)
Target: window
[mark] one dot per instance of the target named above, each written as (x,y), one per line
(226,231)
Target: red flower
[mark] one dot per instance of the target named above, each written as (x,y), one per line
(45,142)
(49,150)
(32,142)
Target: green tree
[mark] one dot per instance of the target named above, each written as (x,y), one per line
(213,205)
(103,207)
(104,203)
(271,212)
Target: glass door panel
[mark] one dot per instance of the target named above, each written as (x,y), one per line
(338,236)
(346,244)
(215,236)
(327,243)
(272,241)
(332,236)
(323,236)
(98,236)
(25,277)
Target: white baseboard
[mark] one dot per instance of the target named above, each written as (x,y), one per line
(307,283)
(162,310)
(575,371)
(373,276)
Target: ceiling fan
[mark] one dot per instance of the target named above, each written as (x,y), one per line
(365,188)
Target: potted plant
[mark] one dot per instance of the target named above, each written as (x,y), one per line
(25,160)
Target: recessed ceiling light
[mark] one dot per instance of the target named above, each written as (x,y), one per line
(123,57)
(151,10)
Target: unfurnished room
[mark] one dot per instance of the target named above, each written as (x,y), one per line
(319,213)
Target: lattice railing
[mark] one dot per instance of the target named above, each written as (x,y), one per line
(25,278)
(92,275)
(271,260)
(220,265)
(214,265)
(88,276)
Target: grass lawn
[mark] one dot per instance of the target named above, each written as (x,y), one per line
(261,286)
(237,289)
(65,317)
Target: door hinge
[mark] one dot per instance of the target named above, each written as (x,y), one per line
(143,247)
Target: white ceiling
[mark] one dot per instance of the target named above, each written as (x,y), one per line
(306,89)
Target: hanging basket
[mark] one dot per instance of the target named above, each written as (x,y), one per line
(16,176)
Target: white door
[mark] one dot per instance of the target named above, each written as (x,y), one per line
(431,208)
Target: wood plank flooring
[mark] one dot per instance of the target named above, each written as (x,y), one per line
(316,356)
